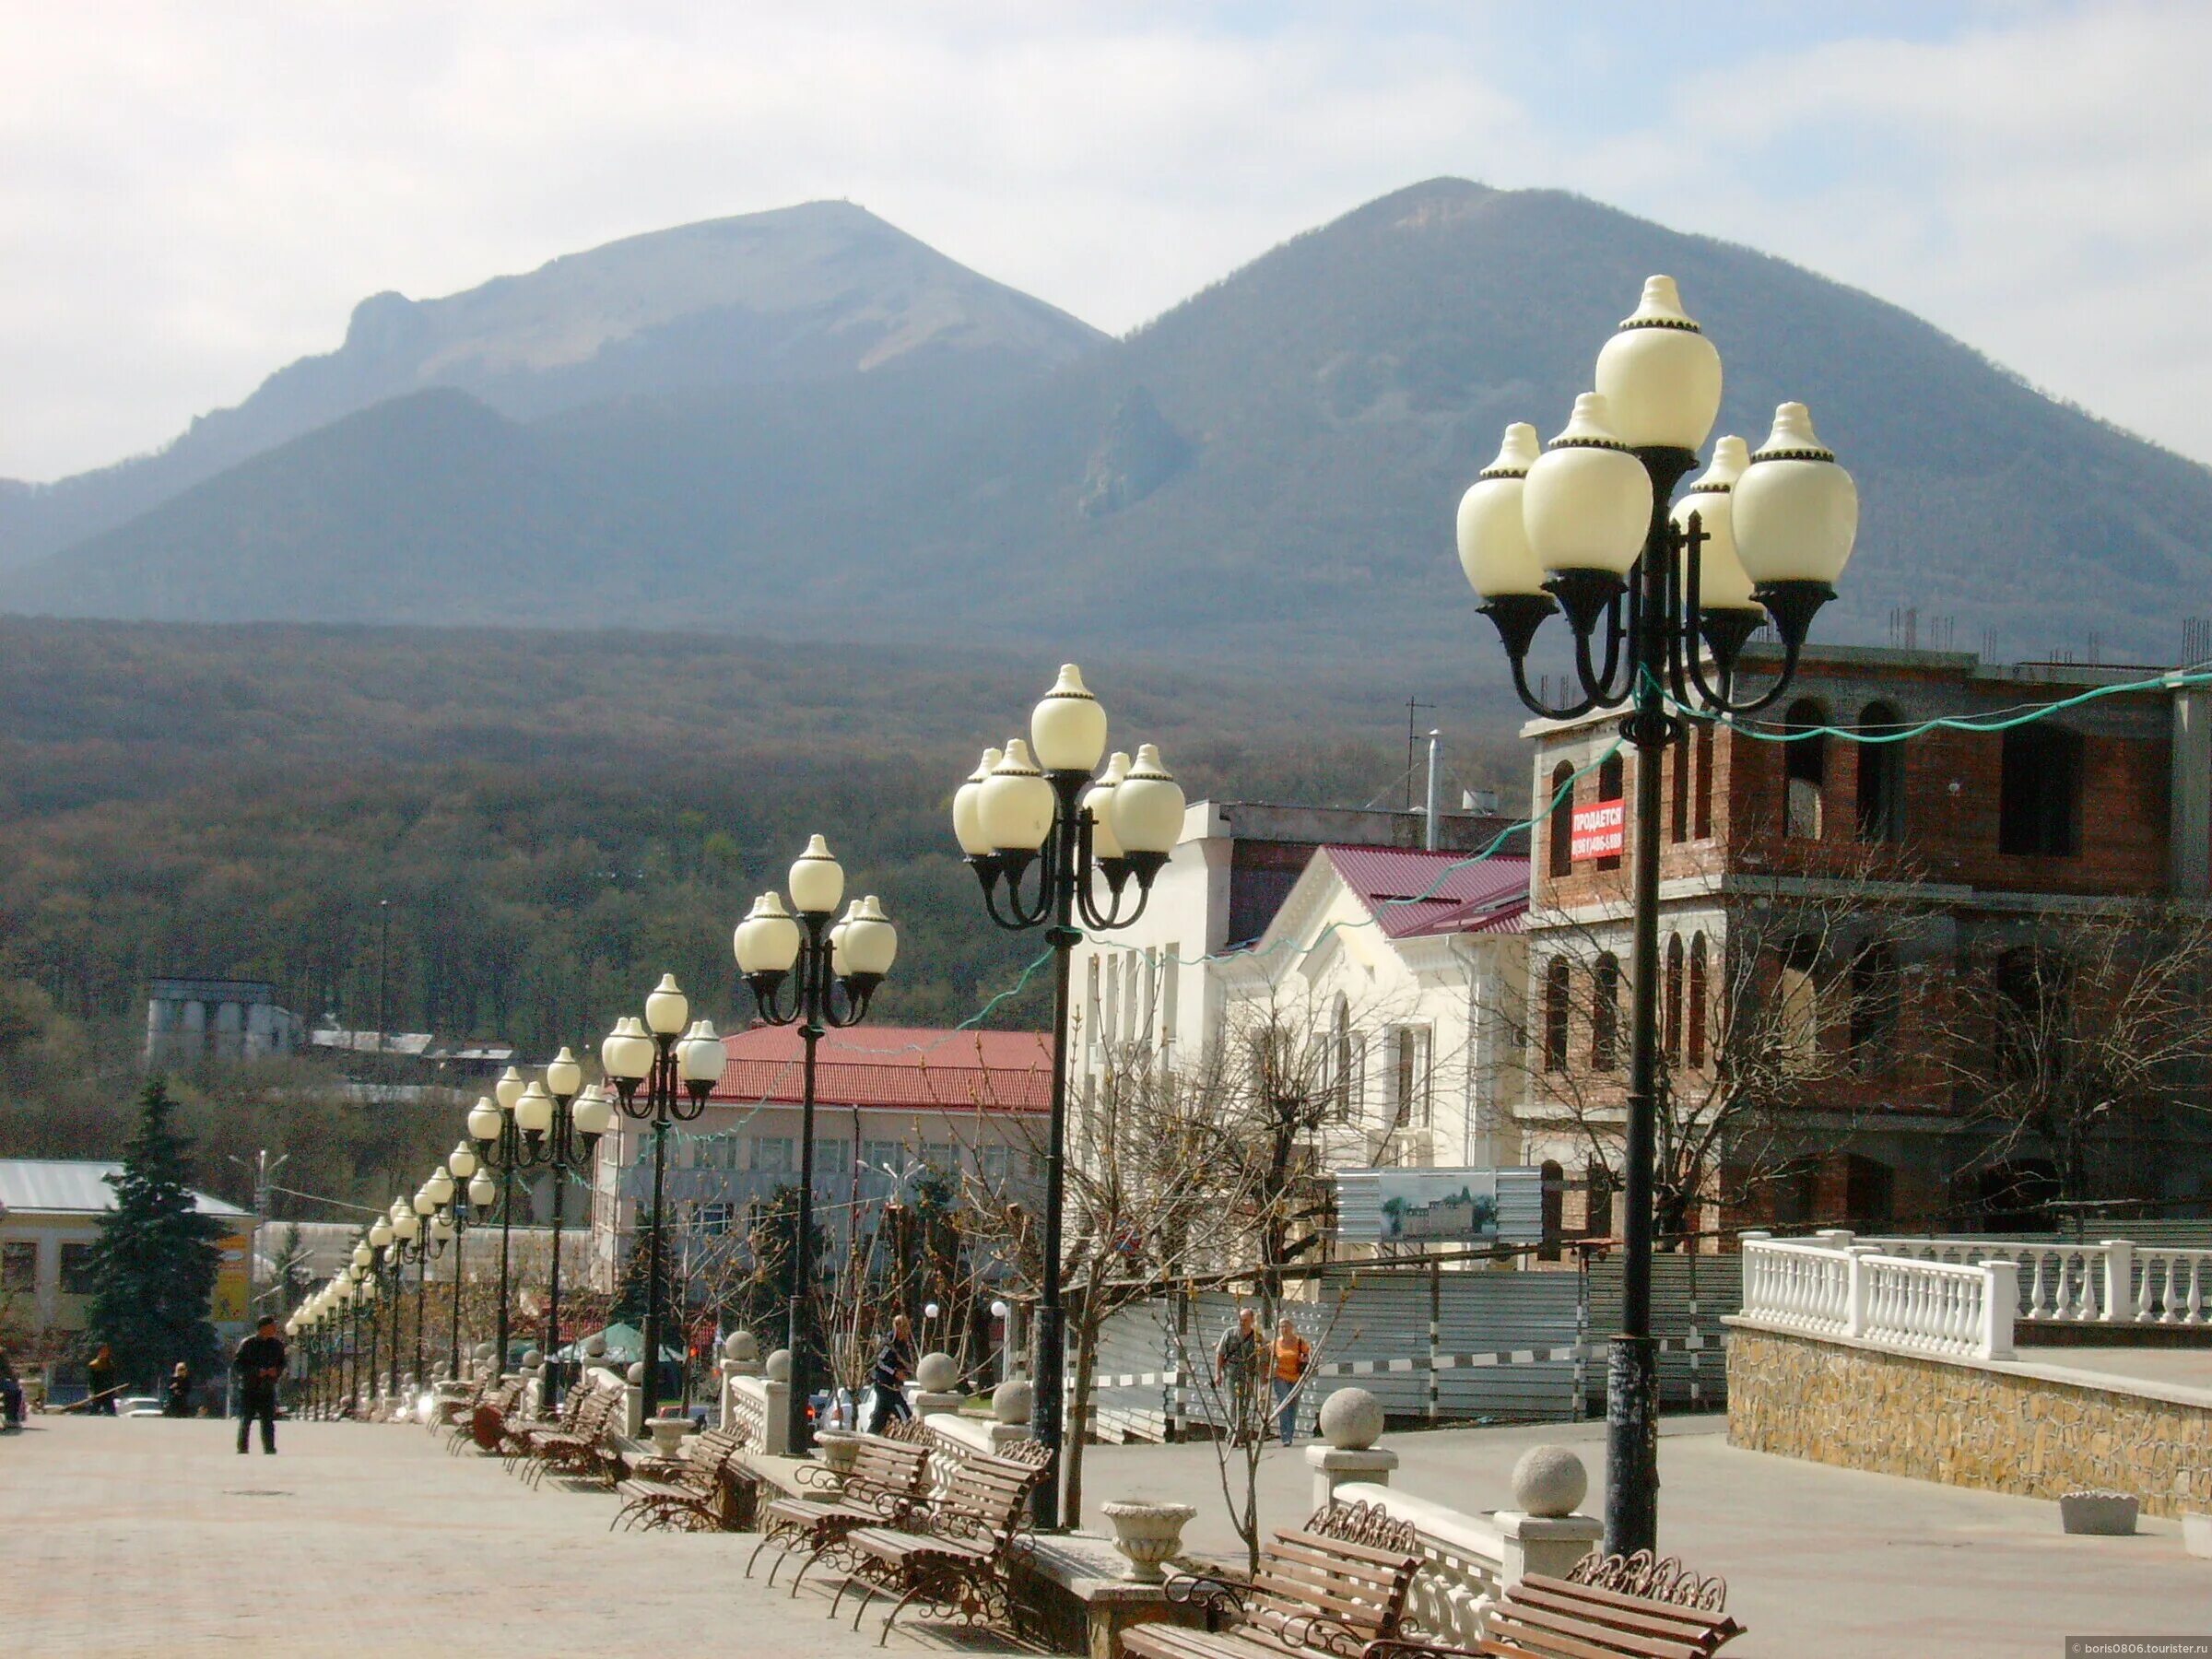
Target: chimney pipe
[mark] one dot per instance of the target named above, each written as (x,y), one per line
(1432,826)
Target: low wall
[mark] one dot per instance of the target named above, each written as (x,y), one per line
(2006,1427)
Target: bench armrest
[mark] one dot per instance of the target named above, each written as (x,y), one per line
(1402,1647)
(1196,1590)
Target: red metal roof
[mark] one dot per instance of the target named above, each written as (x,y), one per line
(895,1066)
(1417,893)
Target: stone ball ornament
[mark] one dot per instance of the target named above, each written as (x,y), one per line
(636,1374)
(779,1366)
(1013,1401)
(937,1373)
(741,1348)
(1351,1419)
(1550,1481)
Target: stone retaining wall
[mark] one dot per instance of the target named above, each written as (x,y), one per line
(2002,1429)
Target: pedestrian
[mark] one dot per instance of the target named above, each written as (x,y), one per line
(100,1371)
(178,1402)
(1237,1362)
(894,1365)
(11,1395)
(1291,1357)
(259,1362)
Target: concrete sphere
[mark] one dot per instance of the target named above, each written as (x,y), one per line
(1351,1419)
(485,1350)
(741,1348)
(532,1359)
(595,1344)
(636,1376)
(779,1366)
(1549,1480)
(1013,1401)
(937,1373)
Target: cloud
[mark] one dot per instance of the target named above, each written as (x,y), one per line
(195,196)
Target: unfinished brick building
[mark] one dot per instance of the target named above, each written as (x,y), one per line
(1831,899)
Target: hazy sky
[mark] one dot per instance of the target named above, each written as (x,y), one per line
(193,195)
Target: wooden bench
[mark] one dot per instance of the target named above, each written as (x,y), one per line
(574,1449)
(1610,1608)
(486,1427)
(953,1553)
(1337,1586)
(693,1496)
(882,1488)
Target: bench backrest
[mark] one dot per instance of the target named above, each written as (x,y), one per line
(1548,1615)
(884,1467)
(1357,1586)
(986,1494)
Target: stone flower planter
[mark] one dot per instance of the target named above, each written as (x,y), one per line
(668,1434)
(839,1449)
(2100,1514)
(1148,1534)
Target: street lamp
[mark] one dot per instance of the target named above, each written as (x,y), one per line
(561,1122)
(658,1054)
(821,966)
(499,1145)
(1015,812)
(1652,596)
(469,1197)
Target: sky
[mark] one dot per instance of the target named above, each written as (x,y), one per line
(192,196)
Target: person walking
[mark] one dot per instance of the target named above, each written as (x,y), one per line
(100,1371)
(894,1365)
(178,1400)
(1291,1356)
(1237,1362)
(11,1395)
(259,1363)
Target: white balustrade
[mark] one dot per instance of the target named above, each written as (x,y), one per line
(2115,1281)
(1835,1289)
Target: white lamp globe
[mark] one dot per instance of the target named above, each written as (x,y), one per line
(817,880)
(967,807)
(380,1233)
(1587,502)
(626,1052)
(1016,808)
(440,1187)
(1722,584)
(509,1089)
(534,1111)
(441,1229)
(1659,374)
(483,1191)
(1796,512)
(871,943)
(460,1163)
(668,1010)
(564,1076)
(406,1227)
(999,1310)
(768,939)
(1068,728)
(1493,535)
(1097,800)
(361,1258)
(701,1056)
(483,1120)
(1147,805)
(594,1113)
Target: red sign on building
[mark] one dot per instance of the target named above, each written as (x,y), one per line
(1598,829)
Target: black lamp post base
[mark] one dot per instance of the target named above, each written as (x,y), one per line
(1631,1445)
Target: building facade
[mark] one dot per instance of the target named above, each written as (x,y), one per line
(188,1020)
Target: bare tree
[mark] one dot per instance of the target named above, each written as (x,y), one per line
(2084,1028)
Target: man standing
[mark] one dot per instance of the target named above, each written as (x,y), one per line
(259,1363)
(1237,1362)
(893,1366)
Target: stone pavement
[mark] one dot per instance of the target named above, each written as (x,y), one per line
(1821,1562)
(142,1535)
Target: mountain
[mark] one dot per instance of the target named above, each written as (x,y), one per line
(811,293)
(1264,475)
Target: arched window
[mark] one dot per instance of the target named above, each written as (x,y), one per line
(1804,771)
(1704,780)
(1696,1015)
(1672,1017)
(1340,1057)
(1561,834)
(1555,1014)
(1881,777)
(1605,1013)
(1797,1005)
(1610,788)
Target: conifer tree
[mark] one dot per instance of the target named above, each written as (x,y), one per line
(155,1261)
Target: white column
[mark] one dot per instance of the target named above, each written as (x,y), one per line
(2119,1281)
(2000,1301)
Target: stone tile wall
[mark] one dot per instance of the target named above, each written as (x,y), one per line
(1895,1414)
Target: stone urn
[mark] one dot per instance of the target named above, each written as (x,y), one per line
(1148,1534)
(2098,1514)
(839,1448)
(668,1434)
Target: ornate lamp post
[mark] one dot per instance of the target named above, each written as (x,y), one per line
(469,1197)
(1660,604)
(657,1055)
(1015,813)
(407,1242)
(561,1122)
(500,1147)
(830,972)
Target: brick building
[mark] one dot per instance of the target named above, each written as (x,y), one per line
(1835,893)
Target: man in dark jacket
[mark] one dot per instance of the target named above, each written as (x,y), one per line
(259,1363)
(893,1366)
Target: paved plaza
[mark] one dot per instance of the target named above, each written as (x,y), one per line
(148,1536)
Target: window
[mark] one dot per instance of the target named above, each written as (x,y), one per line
(1561,834)
(1605,1013)
(20,1265)
(713,1219)
(881,1155)
(1671,1015)
(1798,1006)
(1874,1001)
(1340,1057)
(1678,766)
(1556,991)
(1804,771)
(943,1157)
(2039,796)
(1881,777)
(834,1157)
(1695,1016)
(1869,1191)
(995,1164)
(1704,757)
(1609,788)
(772,1153)
(76,1270)
(1411,1076)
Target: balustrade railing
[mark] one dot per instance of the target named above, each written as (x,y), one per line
(1828,1286)
(2115,1281)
